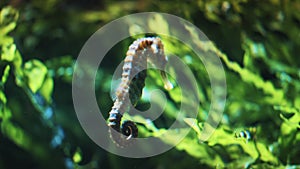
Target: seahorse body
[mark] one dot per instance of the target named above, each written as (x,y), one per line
(132,83)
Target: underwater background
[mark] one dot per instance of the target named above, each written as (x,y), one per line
(258,43)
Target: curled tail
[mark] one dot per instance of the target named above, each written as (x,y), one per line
(121,134)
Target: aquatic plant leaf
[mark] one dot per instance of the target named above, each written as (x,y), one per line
(77,157)
(158,24)
(136,31)
(35,72)
(225,137)
(47,88)
(265,153)
(5,74)
(277,95)
(9,51)
(291,119)
(8,20)
(15,133)
(193,123)
(191,146)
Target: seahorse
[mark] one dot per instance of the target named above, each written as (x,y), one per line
(140,52)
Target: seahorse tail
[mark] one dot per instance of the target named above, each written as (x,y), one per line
(115,119)
(124,138)
(129,129)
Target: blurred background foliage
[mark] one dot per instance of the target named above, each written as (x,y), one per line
(257,41)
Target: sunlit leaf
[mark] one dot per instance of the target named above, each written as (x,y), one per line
(35,72)
(265,153)
(2,99)
(6,41)
(5,74)
(8,19)
(291,118)
(136,30)
(193,123)
(77,157)
(47,88)
(158,24)
(8,52)
(193,148)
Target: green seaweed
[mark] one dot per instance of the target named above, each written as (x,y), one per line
(257,42)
